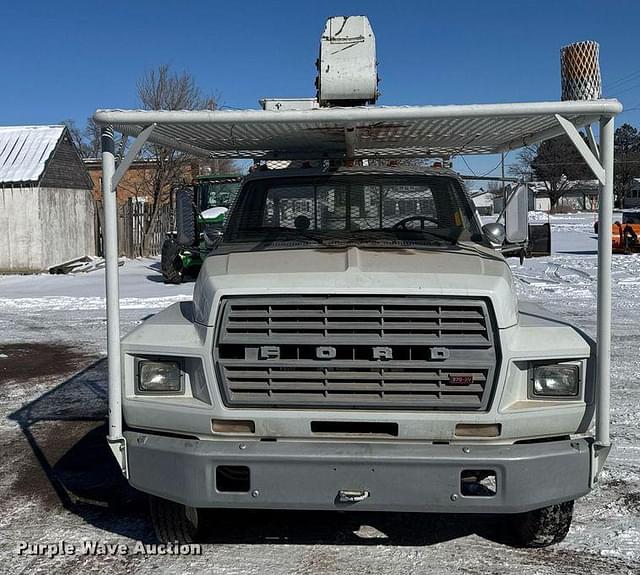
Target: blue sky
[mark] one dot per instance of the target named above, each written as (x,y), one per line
(64,59)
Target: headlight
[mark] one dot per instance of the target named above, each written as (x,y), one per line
(555,380)
(159,377)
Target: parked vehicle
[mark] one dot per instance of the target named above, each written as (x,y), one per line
(625,232)
(355,341)
(353,329)
(212,196)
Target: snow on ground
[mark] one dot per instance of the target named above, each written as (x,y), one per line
(58,481)
(74,304)
(608,520)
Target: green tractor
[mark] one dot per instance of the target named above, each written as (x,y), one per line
(200,212)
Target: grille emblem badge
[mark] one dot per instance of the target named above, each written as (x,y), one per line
(382,353)
(325,352)
(439,353)
(269,352)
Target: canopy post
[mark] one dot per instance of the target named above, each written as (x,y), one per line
(114,438)
(605,212)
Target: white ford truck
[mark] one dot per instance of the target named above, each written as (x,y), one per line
(355,342)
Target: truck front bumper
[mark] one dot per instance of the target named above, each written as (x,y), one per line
(396,477)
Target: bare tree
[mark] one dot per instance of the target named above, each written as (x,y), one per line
(161,89)
(87,142)
(626,146)
(91,145)
(555,163)
(521,168)
(76,136)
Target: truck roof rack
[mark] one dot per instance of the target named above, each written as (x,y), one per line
(357,132)
(362,132)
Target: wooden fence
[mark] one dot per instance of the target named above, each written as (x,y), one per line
(133,220)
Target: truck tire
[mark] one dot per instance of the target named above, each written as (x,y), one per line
(174,522)
(542,527)
(171,262)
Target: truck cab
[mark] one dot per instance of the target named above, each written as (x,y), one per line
(355,342)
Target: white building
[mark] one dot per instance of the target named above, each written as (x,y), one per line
(483,201)
(632,197)
(46,206)
(580,195)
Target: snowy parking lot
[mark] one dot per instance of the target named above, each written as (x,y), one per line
(59,483)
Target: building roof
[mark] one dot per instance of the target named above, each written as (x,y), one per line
(25,150)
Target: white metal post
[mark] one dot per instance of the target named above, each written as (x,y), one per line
(605,212)
(109,199)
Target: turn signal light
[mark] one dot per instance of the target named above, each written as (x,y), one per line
(478,429)
(232,426)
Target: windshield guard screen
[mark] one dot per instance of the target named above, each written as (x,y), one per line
(355,209)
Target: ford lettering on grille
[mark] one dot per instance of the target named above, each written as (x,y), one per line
(341,352)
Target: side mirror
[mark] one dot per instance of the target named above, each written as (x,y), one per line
(516,215)
(185,217)
(495,233)
(212,239)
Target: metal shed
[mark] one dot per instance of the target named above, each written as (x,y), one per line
(46,207)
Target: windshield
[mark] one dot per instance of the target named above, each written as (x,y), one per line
(354,210)
(220,193)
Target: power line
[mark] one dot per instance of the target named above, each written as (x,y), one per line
(632,87)
(499,164)
(491,170)
(468,166)
(623,79)
(461,148)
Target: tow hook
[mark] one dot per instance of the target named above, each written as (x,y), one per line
(345,496)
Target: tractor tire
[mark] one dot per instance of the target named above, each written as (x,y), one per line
(171,262)
(175,522)
(542,527)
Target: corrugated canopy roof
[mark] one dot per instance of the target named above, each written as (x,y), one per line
(24,151)
(358,132)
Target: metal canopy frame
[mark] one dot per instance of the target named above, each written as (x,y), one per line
(357,132)
(363,132)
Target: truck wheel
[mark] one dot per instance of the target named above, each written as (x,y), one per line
(171,262)
(542,527)
(174,521)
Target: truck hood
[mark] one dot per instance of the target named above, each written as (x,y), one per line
(457,271)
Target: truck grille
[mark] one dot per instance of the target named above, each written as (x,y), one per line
(356,352)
